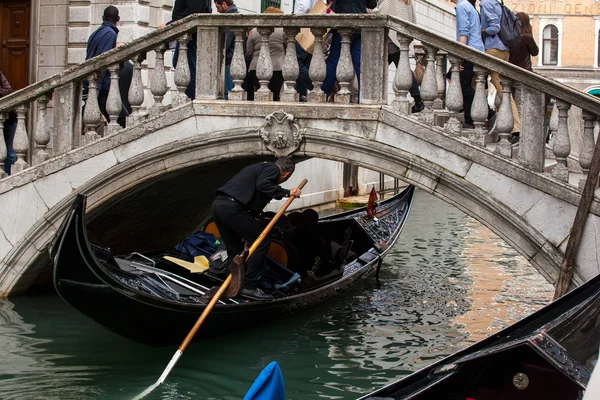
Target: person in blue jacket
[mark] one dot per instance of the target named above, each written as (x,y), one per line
(100,41)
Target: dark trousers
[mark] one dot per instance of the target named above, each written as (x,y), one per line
(303,83)
(235,224)
(275,84)
(334,57)
(8,129)
(414,90)
(191,54)
(468,91)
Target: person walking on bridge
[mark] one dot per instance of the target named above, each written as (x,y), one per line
(236,210)
(491,15)
(100,41)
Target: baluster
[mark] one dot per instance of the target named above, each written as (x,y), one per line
(505,119)
(553,126)
(183,75)
(113,102)
(587,146)
(238,65)
(429,86)
(21,142)
(403,77)
(317,70)
(290,66)
(479,108)
(136,89)
(345,69)
(562,142)
(41,135)
(454,98)
(3,149)
(264,67)
(158,85)
(438,103)
(92,117)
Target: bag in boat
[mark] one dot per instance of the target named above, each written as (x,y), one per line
(269,384)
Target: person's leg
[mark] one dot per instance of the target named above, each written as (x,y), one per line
(228,81)
(223,214)
(191,53)
(495,78)
(394,58)
(466,79)
(251,82)
(9,129)
(331,63)
(275,84)
(303,83)
(355,49)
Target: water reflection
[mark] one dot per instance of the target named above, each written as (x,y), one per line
(447,278)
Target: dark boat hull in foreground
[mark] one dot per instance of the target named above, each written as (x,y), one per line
(154,305)
(548,355)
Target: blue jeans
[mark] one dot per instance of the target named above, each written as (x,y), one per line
(303,83)
(9,130)
(334,57)
(228,81)
(191,54)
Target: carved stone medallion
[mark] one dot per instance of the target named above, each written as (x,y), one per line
(281,133)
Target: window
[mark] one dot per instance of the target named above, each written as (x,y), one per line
(550,45)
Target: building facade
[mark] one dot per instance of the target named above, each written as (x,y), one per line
(568,35)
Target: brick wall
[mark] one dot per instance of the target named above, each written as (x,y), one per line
(578,41)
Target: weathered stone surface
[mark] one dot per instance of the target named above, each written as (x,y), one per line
(557,227)
(22,208)
(589,259)
(411,144)
(55,187)
(514,194)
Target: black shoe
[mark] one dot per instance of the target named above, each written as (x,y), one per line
(514,139)
(256,294)
(418,107)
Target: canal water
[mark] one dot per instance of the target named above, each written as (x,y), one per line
(447,283)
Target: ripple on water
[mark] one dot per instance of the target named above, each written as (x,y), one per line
(448,282)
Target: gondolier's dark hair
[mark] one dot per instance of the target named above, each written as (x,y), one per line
(286,164)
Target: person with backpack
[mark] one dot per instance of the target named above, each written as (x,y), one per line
(491,19)
(525,46)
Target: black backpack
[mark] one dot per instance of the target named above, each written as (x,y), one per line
(510,27)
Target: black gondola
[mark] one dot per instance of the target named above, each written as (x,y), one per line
(548,355)
(150,300)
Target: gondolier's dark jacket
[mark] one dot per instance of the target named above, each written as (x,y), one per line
(255,186)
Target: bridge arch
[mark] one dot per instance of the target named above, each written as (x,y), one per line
(241,140)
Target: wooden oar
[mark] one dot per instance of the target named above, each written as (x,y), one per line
(214,300)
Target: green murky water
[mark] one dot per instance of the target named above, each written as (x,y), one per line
(447,282)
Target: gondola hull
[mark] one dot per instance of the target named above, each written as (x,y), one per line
(547,355)
(82,277)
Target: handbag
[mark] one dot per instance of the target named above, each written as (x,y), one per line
(305,38)
(419,72)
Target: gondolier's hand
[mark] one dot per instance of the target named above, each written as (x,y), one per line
(295,192)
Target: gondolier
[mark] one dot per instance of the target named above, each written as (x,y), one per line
(235,210)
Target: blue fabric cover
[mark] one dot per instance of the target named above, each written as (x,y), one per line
(200,244)
(269,384)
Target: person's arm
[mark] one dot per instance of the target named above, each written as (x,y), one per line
(302,6)
(250,45)
(178,10)
(265,183)
(532,46)
(489,15)
(5,88)
(462,25)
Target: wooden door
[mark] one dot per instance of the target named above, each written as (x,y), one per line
(14,39)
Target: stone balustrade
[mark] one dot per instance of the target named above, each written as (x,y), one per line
(443,99)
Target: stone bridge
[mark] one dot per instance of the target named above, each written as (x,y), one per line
(157,174)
